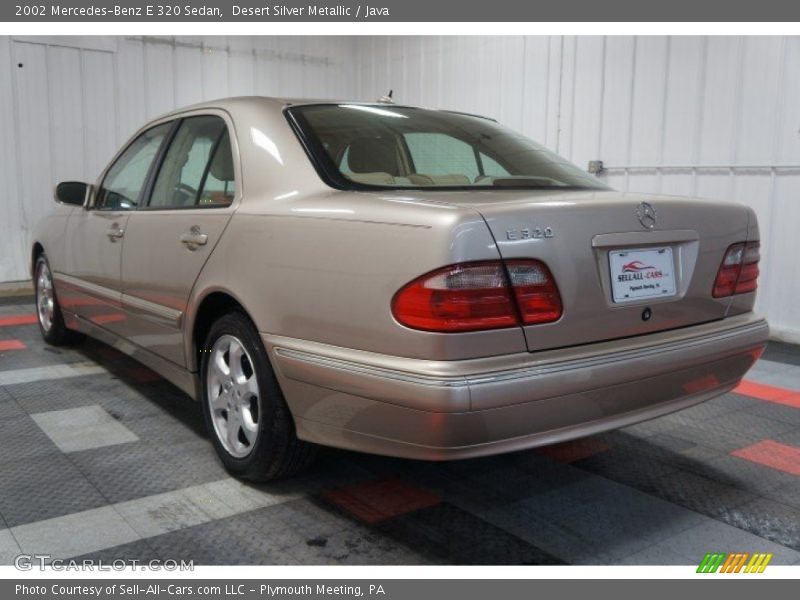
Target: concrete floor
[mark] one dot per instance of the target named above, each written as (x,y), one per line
(101,458)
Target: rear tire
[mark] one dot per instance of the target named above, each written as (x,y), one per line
(48,310)
(246,415)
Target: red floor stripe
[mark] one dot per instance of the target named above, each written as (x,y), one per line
(143,375)
(772,454)
(769,393)
(380,500)
(568,452)
(18,320)
(11,345)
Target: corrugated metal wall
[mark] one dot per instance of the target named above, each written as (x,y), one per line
(67,103)
(710,116)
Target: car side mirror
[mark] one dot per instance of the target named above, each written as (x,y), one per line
(72,192)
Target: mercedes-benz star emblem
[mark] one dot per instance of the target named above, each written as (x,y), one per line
(647,215)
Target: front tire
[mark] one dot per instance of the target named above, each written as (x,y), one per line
(48,310)
(245,412)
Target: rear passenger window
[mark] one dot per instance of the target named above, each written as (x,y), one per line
(197,168)
(124,182)
(219,185)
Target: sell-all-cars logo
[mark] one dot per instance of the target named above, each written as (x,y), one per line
(736,562)
(635,267)
(636,270)
(646,215)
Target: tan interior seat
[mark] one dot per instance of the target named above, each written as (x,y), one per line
(451,179)
(377,178)
(419,179)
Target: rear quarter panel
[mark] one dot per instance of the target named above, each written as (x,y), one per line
(324,268)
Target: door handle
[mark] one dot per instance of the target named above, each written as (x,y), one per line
(115,232)
(194,238)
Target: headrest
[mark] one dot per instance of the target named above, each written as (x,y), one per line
(372,155)
(222,166)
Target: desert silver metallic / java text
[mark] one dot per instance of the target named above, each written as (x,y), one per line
(233,396)
(45,300)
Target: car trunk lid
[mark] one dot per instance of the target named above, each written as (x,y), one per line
(663,254)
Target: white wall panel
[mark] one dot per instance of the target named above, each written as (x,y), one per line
(721,99)
(535,89)
(99,114)
(13,262)
(130,88)
(761,96)
(241,66)
(76,99)
(684,81)
(34,139)
(617,98)
(65,104)
(214,78)
(789,109)
(159,77)
(649,97)
(188,75)
(587,98)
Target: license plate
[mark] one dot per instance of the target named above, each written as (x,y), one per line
(640,274)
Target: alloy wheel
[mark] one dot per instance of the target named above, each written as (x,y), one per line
(233,396)
(45,298)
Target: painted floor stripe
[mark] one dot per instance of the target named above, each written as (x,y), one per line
(11,345)
(142,374)
(772,454)
(83,428)
(17,320)
(77,369)
(769,393)
(109,526)
(568,452)
(377,501)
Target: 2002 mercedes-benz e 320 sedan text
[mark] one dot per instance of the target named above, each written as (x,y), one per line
(394,280)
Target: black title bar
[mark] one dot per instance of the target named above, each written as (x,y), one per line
(400,11)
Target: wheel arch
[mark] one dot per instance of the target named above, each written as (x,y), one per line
(209,307)
(36,251)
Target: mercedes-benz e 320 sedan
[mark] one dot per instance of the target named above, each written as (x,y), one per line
(395,280)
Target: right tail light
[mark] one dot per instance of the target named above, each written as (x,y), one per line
(479,296)
(738,273)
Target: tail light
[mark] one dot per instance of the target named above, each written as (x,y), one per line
(479,296)
(738,273)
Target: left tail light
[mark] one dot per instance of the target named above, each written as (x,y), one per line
(738,273)
(479,296)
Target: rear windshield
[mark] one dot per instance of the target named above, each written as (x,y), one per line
(356,146)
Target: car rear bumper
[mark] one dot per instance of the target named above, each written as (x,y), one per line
(439,410)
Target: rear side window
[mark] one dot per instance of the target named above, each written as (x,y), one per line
(197,168)
(220,183)
(124,182)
